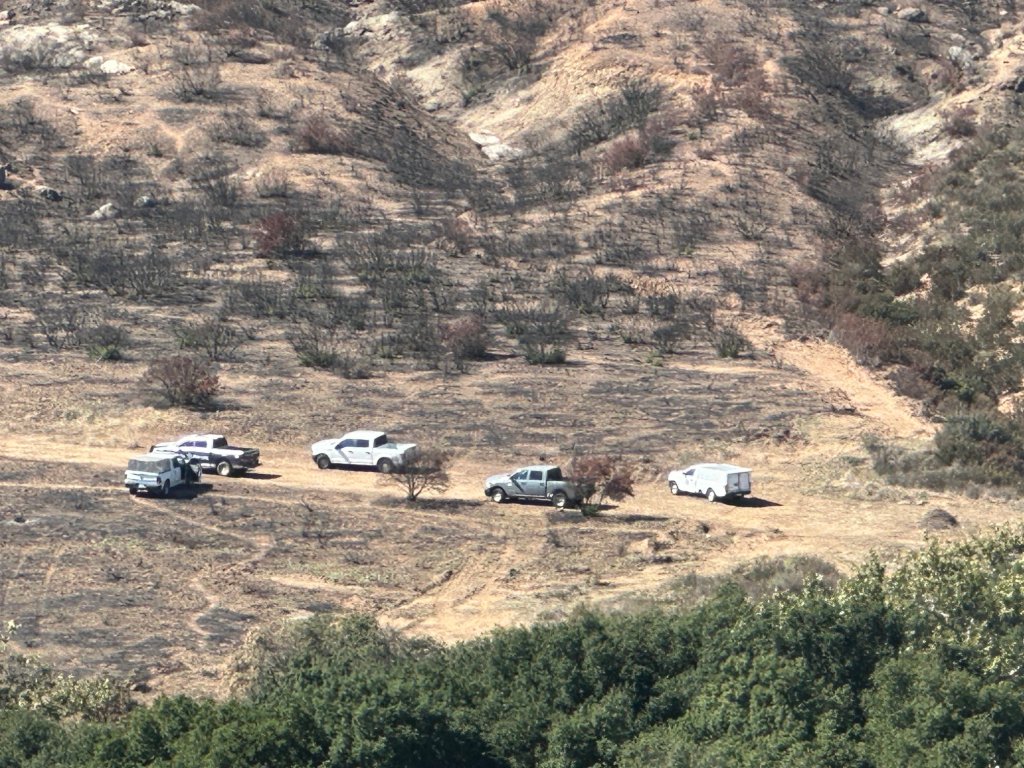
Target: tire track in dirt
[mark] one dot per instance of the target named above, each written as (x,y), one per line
(211,599)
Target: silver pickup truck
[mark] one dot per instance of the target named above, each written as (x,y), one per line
(541,483)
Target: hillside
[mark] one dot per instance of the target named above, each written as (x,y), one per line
(515,231)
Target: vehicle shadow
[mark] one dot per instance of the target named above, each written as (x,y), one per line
(260,475)
(351,468)
(751,501)
(190,491)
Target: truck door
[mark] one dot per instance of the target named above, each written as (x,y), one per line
(534,484)
(688,482)
(357,452)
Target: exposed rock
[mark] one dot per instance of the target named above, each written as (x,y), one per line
(915,15)
(500,152)
(6,17)
(960,56)
(374,25)
(49,193)
(938,520)
(484,139)
(145,201)
(150,9)
(493,147)
(104,212)
(46,46)
(107,66)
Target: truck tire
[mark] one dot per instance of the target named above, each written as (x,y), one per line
(559,499)
(497,495)
(133,491)
(710,496)
(165,489)
(673,488)
(323,462)
(385,466)
(224,468)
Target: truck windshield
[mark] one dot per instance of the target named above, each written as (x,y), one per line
(149,465)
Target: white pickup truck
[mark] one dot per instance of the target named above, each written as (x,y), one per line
(363,448)
(713,481)
(159,472)
(213,452)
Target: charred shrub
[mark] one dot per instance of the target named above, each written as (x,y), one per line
(238,128)
(543,331)
(185,381)
(217,338)
(283,235)
(105,341)
(635,101)
(587,292)
(195,72)
(465,339)
(317,135)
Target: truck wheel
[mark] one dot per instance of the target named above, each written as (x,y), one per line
(165,489)
(133,491)
(673,488)
(710,495)
(224,468)
(559,499)
(323,462)
(385,465)
(498,495)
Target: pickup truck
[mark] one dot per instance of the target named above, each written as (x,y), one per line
(213,452)
(159,472)
(544,483)
(363,448)
(713,481)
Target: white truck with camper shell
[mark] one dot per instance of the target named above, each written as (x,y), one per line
(159,472)
(712,481)
(213,452)
(363,448)
(539,483)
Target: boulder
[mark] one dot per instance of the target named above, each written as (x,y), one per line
(145,201)
(104,212)
(915,15)
(49,193)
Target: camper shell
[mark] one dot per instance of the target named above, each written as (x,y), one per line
(713,481)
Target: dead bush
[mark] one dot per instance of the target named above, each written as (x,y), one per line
(465,339)
(185,381)
(105,341)
(238,128)
(283,235)
(630,151)
(600,477)
(194,71)
(542,329)
(960,123)
(871,341)
(426,471)
(216,337)
(273,182)
(317,135)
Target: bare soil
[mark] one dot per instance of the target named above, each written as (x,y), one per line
(165,591)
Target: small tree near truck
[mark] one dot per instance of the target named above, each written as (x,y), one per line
(427,471)
(600,477)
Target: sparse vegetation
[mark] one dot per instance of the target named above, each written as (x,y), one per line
(184,380)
